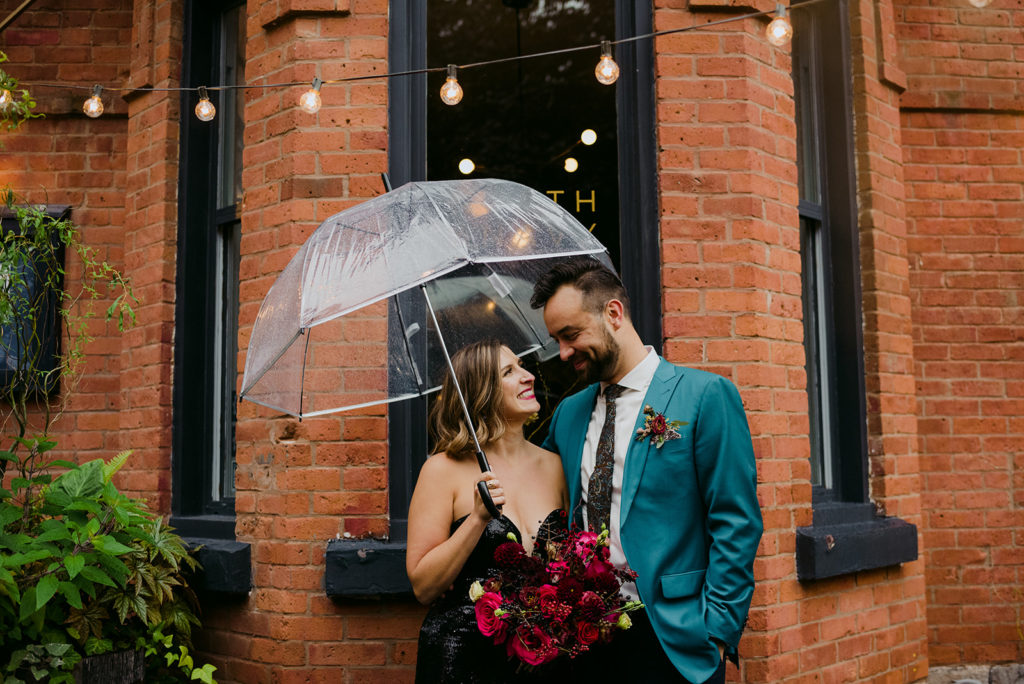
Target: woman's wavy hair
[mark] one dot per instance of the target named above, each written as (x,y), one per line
(476,367)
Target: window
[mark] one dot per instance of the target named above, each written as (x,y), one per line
(206,317)
(520,121)
(833,336)
(508,134)
(30,354)
(847,535)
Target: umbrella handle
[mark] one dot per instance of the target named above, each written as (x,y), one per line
(481,486)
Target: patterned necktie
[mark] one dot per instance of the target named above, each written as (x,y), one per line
(599,490)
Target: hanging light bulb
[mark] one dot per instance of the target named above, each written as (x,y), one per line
(310,100)
(6,99)
(466,166)
(980,3)
(93,107)
(779,30)
(205,111)
(451,91)
(588,137)
(607,71)
(571,164)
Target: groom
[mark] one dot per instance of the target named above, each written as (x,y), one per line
(684,515)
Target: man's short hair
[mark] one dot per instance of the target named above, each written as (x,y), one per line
(594,280)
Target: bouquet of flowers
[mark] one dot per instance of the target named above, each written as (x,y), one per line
(545,608)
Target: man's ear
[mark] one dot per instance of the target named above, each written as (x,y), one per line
(615,313)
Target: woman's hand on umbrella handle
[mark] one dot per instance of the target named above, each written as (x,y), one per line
(488,498)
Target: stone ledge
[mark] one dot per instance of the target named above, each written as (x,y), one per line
(976,674)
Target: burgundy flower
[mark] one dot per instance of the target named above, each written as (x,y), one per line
(509,555)
(584,544)
(557,569)
(658,425)
(601,575)
(591,606)
(569,590)
(532,645)
(487,622)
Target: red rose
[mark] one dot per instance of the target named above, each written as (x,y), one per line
(658,425)
(488,623)
(587,633)
(532,646)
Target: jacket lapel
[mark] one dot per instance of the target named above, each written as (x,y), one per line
(658,395)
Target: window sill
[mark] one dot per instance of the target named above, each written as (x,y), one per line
(366,568)
(848,538)
(227,566)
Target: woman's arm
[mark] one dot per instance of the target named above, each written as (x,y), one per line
(433,558)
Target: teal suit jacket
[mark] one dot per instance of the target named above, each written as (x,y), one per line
(689,518)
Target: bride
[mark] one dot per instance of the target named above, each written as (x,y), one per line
(452,537)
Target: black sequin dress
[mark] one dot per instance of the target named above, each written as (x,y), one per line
(451,648)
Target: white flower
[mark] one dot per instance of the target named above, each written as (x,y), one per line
(624,621)
(476,590)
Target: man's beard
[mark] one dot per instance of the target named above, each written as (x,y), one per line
(601,362)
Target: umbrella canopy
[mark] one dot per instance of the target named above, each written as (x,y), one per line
(335,332)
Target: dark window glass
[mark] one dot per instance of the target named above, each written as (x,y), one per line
(522,121)
(833,336)
(206,346)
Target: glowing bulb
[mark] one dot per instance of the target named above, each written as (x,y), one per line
(571,164)
(451,91)
(490,305)
(779,31)
(607,71)
(6,99)
(93,107)
(310,101)
(980,3)
(588,137)
(205,110)
(466,166)
(522,238)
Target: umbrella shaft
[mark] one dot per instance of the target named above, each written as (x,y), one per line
(455,381)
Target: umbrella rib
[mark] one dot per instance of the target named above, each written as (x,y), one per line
(270,365)
(302,375)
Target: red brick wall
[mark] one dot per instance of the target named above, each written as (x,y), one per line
(67,158)
(962,133)
(968,273)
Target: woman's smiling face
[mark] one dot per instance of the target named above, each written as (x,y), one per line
(516,387)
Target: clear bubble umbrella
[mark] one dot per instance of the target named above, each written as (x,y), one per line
(374,303)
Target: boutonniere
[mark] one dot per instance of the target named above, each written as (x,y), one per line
(658,428)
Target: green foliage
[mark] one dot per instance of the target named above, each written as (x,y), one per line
(85,570)
(17,106)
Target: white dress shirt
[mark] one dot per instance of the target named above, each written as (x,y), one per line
(627,408)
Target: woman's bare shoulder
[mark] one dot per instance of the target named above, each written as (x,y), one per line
(442,465)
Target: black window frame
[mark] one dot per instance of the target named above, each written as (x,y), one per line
(200,518)
(349,574)
(847,534)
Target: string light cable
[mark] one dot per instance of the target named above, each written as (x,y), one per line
(451,91)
